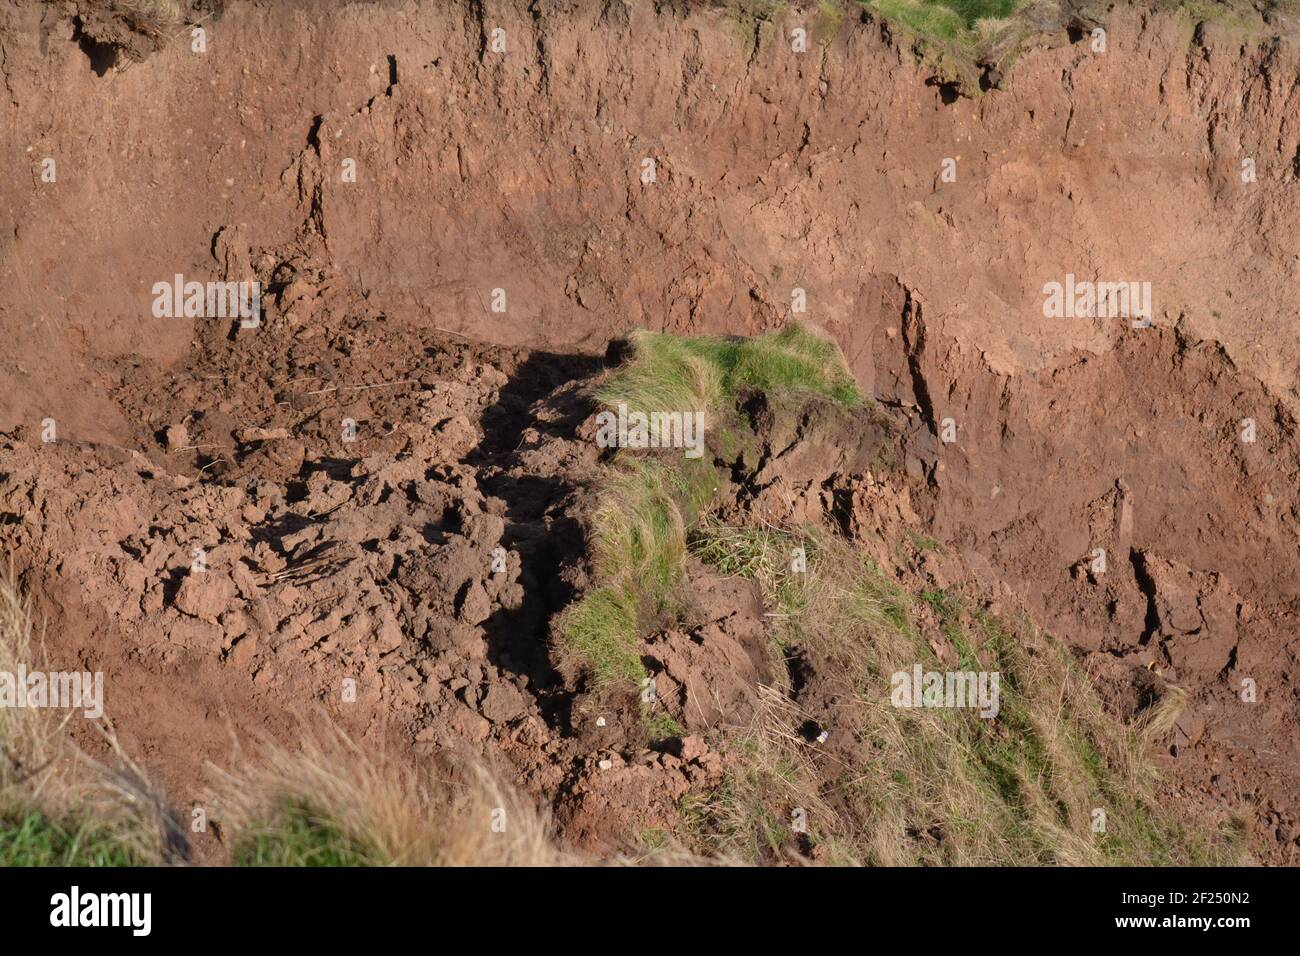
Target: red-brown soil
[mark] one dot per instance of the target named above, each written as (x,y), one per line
(372,560)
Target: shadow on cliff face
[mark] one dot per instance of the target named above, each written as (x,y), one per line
(522,460)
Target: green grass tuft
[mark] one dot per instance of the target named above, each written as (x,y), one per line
(670,373)
(602,629)
(663,726)
(641,523)
(31,838)
(298,836)
(953,21)
(639,548)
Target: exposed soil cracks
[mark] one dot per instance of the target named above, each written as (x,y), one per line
(374,503)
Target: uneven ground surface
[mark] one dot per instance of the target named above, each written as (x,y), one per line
(373,560)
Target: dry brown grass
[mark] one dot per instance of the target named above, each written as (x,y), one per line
(333,801)
(750,818)
(935,786)
(107,809)
(154,16)
(1161,716)
(370,808)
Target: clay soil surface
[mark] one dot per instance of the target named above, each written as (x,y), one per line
(388,481)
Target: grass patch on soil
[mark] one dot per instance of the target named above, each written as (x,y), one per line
(297,836)
(746,19)
(950,20)
(30,838)
(965,24)
(663,726)
(1240,16)
(601,630)
(648,503)
(156,18)
(941,786)
(639,548)
(707,373)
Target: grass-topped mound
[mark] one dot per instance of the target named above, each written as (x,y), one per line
(956,20)
(668,372)
(648,503)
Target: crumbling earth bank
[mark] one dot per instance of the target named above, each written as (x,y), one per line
(522,171)
(374,561)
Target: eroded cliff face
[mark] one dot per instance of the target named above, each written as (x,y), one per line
(680,167)
(523,171)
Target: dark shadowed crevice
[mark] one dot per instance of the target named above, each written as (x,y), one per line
(102,56)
